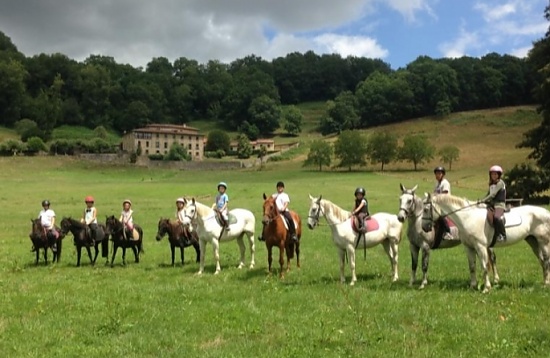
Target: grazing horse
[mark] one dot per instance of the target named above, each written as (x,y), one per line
(40,239)
(203,219)
(529,223)
(178,237)
(116,229)
(411,207)
(345,237)
(82,239)
(275,233)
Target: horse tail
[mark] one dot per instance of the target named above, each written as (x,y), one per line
(140,246)
(105,248)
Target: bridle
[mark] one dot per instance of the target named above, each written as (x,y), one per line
(272,215)
(408,213)
(317,213)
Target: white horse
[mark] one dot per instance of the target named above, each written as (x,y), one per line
(344,237)
(411,207)
(203,219)
(529,223)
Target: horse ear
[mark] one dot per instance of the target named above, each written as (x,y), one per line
(193,201)
(402,188)
(310,197)
(265,197)
(414,189)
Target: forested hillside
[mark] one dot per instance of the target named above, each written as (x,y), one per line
(247,94)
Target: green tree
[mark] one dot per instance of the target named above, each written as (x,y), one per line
(449,154)
(382,148)
(244,149)
(350,148)
(218,140)
(12,91)
(416,149)
(35,145)
(341,114)
(261,154)
(27,128)
(101,132)
(293,118)
(320,153)
(265,113)
(177,153)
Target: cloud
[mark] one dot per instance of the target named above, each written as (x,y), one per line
(521,52)
(408,8)
(459,47)
(359,46)
(492,13)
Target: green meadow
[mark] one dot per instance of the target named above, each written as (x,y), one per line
(152,309)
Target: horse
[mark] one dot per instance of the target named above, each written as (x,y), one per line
(116,229)
(346,238)
(275,233)
(81,239)
(411,207)
(210,230)
(40,239)
(529,223)
(176,234)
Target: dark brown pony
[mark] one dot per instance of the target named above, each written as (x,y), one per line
(115,228)
(82,238)
(275,234)
(178,237)
(41,240)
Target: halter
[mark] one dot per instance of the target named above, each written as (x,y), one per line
(317,214)
(270,218)
(413,206)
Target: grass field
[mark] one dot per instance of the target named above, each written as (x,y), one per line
(151,309)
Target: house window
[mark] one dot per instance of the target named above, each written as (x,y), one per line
(139,143)
(189,146)
(157,145)
(197,154)
(197,137)
(197,146)
(146,151)
(157,135)
(181,137)
(165,145)
(147,144)
(190,138)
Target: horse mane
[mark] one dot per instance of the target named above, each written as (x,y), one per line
(451,200)
(75,222)
(202,210)
(338,212)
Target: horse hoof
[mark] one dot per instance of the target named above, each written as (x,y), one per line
(240,266)
(199,273)
(251,266)
(352,283)
(217,272)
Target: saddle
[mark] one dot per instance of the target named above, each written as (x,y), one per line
(231,219)
(369,224)
(131,235)
(510,218)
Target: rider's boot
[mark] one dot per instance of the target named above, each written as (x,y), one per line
(500,231)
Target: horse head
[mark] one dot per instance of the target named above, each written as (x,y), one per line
(314,212)
(430,213)
(112,225)
(407,202)
(65,225)
(163,228)
(270,211)
(189,211)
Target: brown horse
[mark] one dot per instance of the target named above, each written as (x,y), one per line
(178,237)
(41,239)
(115,228)
(82,238)
(275,233)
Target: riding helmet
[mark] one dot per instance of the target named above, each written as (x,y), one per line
(89,199)
(280,184)
(180,200)
(439,169)
(45,202)
(360,190)
(127,201)
(222,184)
(496,169)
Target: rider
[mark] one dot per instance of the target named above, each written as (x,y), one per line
(90,216)
(180,215)
(47,220)
(282,200)
(496,201)
(126,217)
(361,209)
(442,186)
(221,203)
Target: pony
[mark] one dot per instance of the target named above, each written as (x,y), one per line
(203,218)
(41,239)
(347,239)
(115,228)
(529,223)
(176,234)
(81,239)
(275,233)
(411,207)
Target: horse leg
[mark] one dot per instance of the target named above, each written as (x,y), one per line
(46,255)
(96,254)
(115,249)
(484,258)
(123,255)
(471,253)
(426,251)
(281,258)
(544,252)
(78,255)
(136,253)
(216,250)
(493,262)
(297,246)
(37,251)
(414,262)
(90,254)
(173,252)
(351,255)
(202,246)
(242,250)
(391,251)
(269,256)
(196,246)
(252,250)
(342,260)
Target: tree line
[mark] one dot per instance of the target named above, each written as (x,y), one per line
(251,94)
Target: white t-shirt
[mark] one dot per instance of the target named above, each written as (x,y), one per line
(127,216)
(89,215)
(46,218)
(281,199)
(442,186)
(180,214)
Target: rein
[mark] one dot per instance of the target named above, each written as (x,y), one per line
(442,215)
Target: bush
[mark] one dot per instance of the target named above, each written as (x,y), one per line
(12,147)
(35,145)
(157,156)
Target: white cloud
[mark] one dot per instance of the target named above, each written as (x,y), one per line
(521,52)
(408,8)
(492,13)
(459,47)
(360,46)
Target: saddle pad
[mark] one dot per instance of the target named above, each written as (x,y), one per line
(231,218)
(449,222)
(135,235)
(286,224)
(512,219)
(371,225)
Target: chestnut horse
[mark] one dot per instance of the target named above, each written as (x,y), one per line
(81,239)
(116,229)
(275,233)
(178,237)
(41,240)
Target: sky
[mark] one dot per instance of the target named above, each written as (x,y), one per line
(396,31)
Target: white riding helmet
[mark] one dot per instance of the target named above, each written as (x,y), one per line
(180,200)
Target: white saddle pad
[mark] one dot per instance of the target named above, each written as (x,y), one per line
(512,219)
(286,224)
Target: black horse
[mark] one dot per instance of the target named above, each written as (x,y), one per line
(178,237)
(82,238)
(124,240)
(42,239)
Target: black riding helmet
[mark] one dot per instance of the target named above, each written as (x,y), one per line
(45,203)
(439,169)
(360,190)
(280,184)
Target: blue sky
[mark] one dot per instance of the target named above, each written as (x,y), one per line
(397,31)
